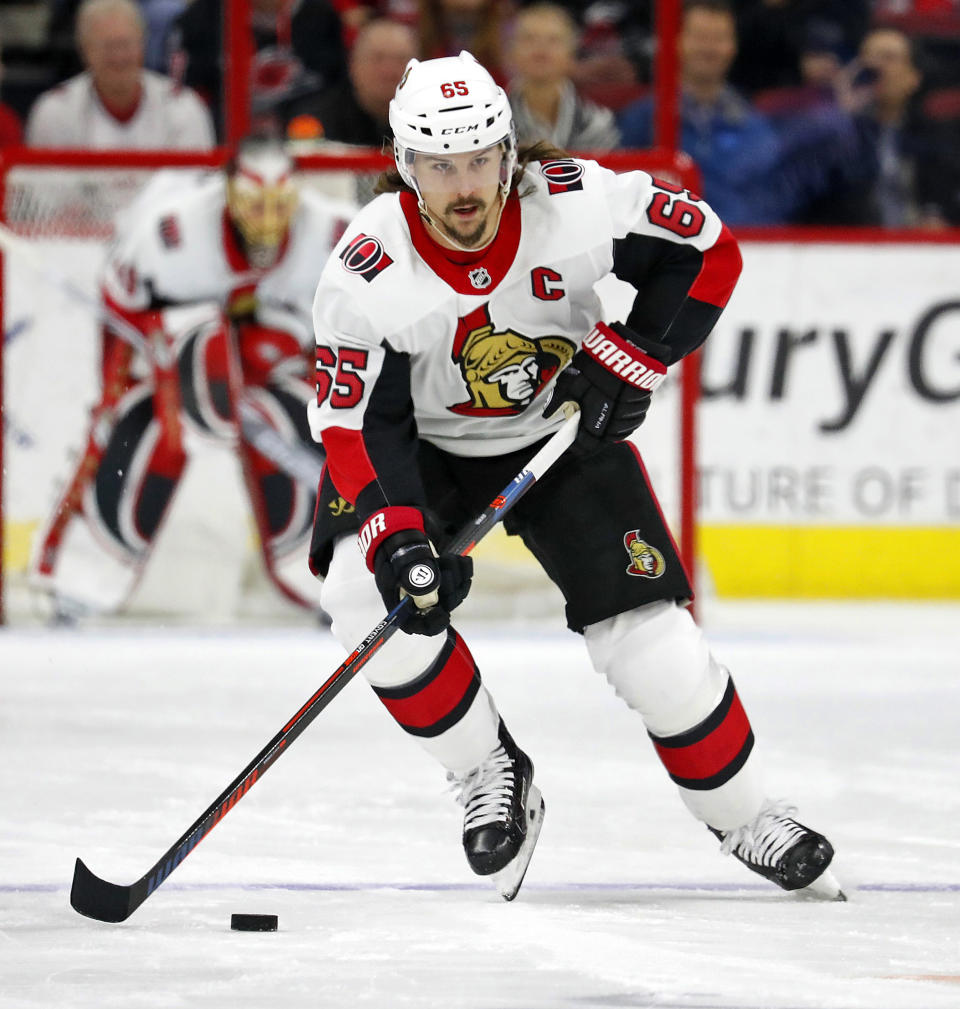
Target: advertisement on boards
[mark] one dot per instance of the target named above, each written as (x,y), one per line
(830,423)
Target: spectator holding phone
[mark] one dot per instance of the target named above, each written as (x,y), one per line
(918,174)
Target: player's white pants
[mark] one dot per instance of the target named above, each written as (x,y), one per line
(430,685)
(657,661)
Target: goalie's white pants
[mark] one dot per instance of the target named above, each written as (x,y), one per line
(350,598)
(654,656)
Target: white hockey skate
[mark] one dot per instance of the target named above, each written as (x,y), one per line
(784,851)
(503,815)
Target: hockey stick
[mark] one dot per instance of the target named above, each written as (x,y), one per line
(105,901)
(291,457)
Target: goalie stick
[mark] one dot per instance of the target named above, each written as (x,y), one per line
(292,458)
(97,898)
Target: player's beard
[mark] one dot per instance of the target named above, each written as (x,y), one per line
(472,238)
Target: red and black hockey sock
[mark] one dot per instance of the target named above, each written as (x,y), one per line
(711,753)
(438,698)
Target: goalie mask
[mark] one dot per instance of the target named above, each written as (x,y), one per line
(451,106)
(261,198)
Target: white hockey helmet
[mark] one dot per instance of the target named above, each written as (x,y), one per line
(450,105)
(261,196)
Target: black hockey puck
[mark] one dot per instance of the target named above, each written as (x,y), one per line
(253,922)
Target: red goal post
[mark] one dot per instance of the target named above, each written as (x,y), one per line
(58,206)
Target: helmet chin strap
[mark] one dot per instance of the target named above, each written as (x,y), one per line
(424,213)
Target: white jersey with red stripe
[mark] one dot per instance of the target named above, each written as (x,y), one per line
(479,337)
(175,246)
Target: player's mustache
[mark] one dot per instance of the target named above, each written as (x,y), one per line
(465,205)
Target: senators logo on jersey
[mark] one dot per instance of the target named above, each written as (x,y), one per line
(503,370)
(645,561)
(563,175)
(364,255)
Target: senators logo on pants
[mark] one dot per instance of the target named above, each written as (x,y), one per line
(645,561)
(504,370)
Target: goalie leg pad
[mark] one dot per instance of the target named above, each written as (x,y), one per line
(283,507)
(430,685)
(103,532)
(137,477)
(657,660)
(203,366)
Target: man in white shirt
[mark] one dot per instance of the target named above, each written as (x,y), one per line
(115,102)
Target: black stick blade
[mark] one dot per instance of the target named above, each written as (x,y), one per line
(96,898)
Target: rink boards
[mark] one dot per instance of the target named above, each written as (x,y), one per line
(828,437)
(830,424)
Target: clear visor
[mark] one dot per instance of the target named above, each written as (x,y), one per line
(456,174)
(262,214)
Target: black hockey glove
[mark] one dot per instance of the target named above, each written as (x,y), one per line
(405,563)
(611,377)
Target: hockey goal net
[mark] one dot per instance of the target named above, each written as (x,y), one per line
(58,213)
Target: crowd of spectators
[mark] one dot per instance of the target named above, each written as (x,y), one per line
(115,102)
(795,111)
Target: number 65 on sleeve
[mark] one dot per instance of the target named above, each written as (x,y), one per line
(342,375)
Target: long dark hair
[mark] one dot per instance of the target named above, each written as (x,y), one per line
(391,181)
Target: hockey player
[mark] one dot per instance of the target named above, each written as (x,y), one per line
(217,275)
(454,319)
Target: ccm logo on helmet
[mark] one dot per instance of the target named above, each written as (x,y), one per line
(460,129)
(364,255)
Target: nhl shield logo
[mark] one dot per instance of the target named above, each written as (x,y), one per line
(480,278)
(645,561)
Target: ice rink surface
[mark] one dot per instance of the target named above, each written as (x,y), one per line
(115,740)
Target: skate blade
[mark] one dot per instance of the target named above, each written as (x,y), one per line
(508,880)
(824,887)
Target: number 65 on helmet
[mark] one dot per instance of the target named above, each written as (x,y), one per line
(450,105)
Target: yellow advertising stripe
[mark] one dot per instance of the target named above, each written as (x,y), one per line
(17,538)
(809,562)
(761,561)
(847,562)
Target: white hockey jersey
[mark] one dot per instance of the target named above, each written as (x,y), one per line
(474,340)
(175,246)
